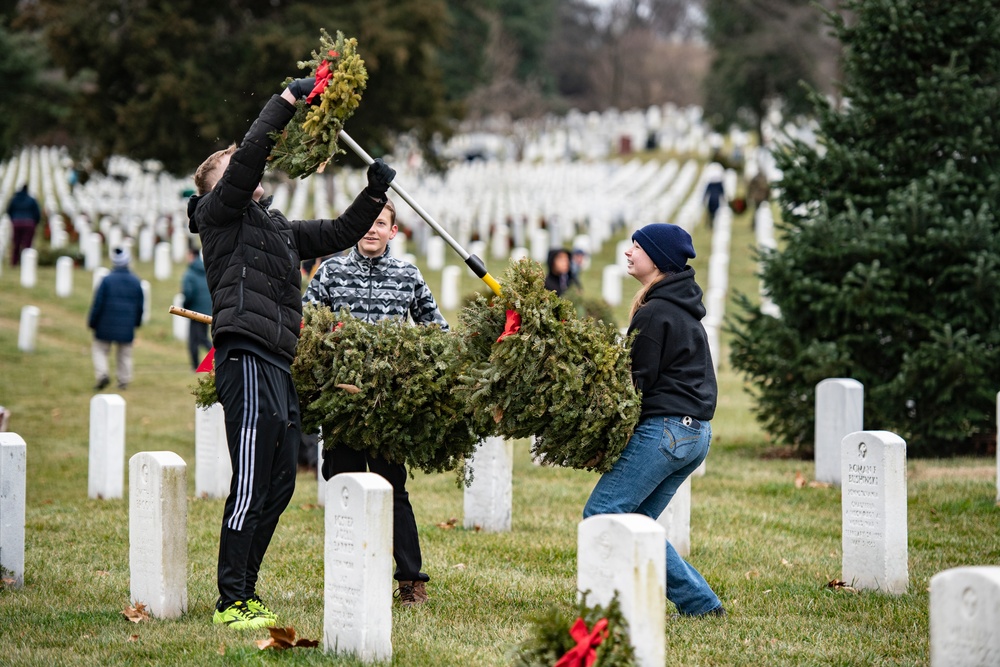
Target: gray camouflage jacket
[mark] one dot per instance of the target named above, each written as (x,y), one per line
(374,289)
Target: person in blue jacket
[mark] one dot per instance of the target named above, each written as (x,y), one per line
(114,317)
(194,287)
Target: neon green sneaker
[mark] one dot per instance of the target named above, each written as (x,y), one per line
(238,616)
(257,606)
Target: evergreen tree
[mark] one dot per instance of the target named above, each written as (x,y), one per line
(890,270)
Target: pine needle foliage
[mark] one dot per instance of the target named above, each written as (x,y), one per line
(204,392)
(550,638)
(309,141)
(564,379)
(384,388)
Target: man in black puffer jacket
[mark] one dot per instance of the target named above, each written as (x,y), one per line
(252,256)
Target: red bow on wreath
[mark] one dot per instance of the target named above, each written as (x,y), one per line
(585,652)
(323,76)
(511,326)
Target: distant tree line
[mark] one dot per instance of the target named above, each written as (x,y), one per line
(173,81)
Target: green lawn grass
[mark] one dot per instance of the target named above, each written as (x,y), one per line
(767,547)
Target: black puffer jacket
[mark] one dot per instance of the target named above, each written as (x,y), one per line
(252,254)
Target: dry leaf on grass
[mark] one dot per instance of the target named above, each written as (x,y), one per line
(786,563)
(459,566)
(751,574)
(815,484)
(282,638)
(137,613)
(449,524)
(800,480)
(133,638)
(839,585)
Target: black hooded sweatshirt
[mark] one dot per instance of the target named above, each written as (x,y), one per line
(671,360)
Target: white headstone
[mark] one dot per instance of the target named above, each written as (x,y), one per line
(99,274)
(620,259)
(676,519)
(488,500)
(106,471)
(157,521)
(147,300)
(965,617)
(840,404)
(27,333)
(181,325)
(435,253)
(147,239)
(518,253)
(873,510)
(611,284)
(450,276)
(161,261)
(29,267)
(357,611)
(93,250)
(540,246)
(627,553)
(64,276)
(13,470)
(213,470)
(178,244)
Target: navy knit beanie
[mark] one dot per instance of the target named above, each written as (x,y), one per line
(669,246)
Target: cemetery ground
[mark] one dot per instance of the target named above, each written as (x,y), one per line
(768,545)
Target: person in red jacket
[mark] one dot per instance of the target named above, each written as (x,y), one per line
(252,255)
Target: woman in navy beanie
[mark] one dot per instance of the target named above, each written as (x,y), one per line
(672,368)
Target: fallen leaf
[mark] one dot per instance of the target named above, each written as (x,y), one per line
(800,480)
(751,574)
(145,421)
(816,484)
(137,613)
(309,507)
(449,524)
(102,573)
(282,638)
(477,527)
(222,649)
(786,563)
(7,581)
(133,638)
(459,566)
(349,388)
(839,585)
(767,591)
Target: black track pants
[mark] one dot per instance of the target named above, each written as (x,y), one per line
(262,427)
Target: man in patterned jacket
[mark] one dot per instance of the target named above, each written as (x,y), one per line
(375,286)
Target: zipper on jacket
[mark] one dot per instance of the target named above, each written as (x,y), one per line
(242,281)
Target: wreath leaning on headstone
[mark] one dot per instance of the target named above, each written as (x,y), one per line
(384,388)
(309,141)
(583,635)
(539,369)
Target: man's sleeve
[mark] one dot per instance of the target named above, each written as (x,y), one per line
(316,238)
(424,309)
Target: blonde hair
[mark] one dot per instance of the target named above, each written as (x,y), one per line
(639,300)
(205,177)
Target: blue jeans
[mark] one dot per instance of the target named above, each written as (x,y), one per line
(661,454)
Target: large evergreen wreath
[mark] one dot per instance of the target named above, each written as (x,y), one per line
(384,388)
(309,141)
(565,380)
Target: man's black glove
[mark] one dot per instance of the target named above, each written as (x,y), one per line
(380,175)
(302,87)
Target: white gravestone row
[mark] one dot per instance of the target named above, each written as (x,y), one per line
(357,588)
(840,406)
(488,499)
(162,261)
(873,511)
(107,447)
(181,325)
(213,470)
(13,468)
(965,617)
(158,533)
(450,281)
(626,554)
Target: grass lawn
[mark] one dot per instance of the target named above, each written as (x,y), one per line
(767,547)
